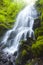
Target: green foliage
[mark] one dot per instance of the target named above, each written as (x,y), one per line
(24,52)
(40,8)
(39,32)
(9,10)
(37,48)
(40,38)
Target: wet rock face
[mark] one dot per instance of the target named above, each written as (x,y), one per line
(24,52)
(6,59)
(37,23)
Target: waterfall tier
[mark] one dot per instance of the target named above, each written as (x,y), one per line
(22,29)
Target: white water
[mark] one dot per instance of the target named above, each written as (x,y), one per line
(24,24)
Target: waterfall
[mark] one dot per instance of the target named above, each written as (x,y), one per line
(23,27)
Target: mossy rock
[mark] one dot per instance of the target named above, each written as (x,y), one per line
(24,52)
(39,32)
(23,57)
(37,48)
(40,38)
(37,23)
(3,29)
(42,23)
(32,62)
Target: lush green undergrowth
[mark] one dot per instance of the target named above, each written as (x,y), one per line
(38,46)
(9,10)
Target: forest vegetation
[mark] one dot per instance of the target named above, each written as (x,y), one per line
(8,13)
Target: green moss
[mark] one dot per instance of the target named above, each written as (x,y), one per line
(40,8)
(24,52)
(42,23)
(8,12)
(40,38)
(39,31)
(37,48)
(21,57)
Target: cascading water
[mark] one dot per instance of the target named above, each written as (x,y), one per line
(23,26)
